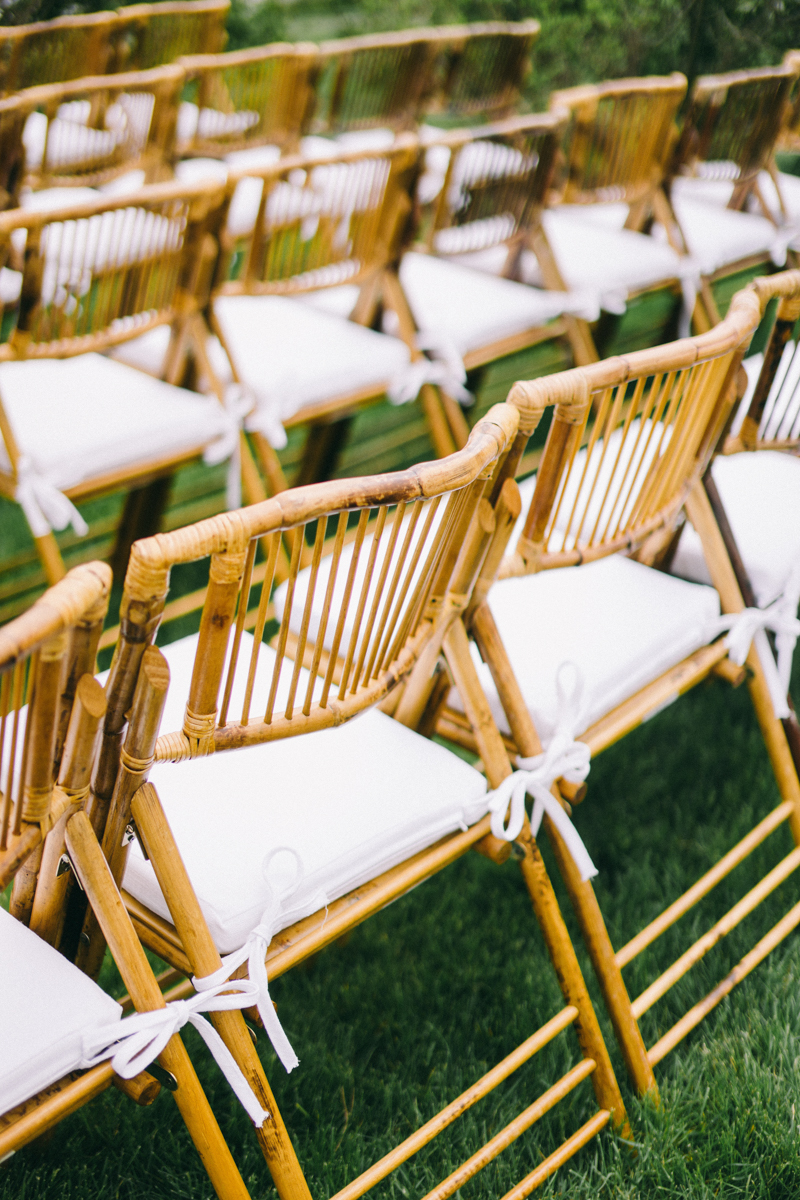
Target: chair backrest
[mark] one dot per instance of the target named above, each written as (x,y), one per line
(247,98)
(97,274)
(53,51)
(481,69)
(13,115)
(44,654)
(772,417)
(374,81)
(149,35)
(384,564)
(319,222)
(90,130)
(620,137)
(629,438)
(733,123)
(494,185)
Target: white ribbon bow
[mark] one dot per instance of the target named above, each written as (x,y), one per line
(136,1041)
(750,625)
(563,758)
(241,411)
(254,952)
(44,506)
(445,369)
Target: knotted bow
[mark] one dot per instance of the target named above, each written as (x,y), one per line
(254,952)
(445,369)
(750,626)
(241,411)
(44,506)
(136,1041)
(564,758)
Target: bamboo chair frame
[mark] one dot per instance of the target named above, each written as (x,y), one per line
(408,614)
(13,115)
(506,204)
(273,85)
(148,140)
(690,386)
(47,659)
(57,50)
(762,430)
(150,35)
(156,283)
(737,118)
(482,68)
(279,258)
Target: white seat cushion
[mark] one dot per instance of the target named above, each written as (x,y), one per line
(292,355)
(350,802)
(622,624)
(760,492)
(69,142)
(211,123)
(46,1007)
(718,237)
(78,418)
(471,308)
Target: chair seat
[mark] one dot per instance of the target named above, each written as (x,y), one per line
(621,623)
(350,802)
(470,308)
(760,492)
(210,122)
(79,418)
(718,237)
(292,355)
(46,1007)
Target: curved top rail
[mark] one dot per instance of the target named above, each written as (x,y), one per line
(81,594)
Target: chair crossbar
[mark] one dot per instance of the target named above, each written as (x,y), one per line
(748,963)
(487,1083)
(45,1110)
(564,1153)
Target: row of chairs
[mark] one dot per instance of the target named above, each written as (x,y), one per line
(533,623)
(132,39)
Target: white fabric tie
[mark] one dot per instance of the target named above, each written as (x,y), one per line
(137,1041)
(564,758)
(750,625)
(445,369)
(44,506)
(241,411)
(254,952)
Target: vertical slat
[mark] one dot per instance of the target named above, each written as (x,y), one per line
(333,570)
(244,596)
(319,541)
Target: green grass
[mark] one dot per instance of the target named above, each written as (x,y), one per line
(428,995)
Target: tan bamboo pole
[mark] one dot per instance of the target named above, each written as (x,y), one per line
(204,957)
(136,757)
(81,660)
(49,1112)
(545,904)
(89,707)
(98,883)
(701,515)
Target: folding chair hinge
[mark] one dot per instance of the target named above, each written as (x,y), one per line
(165,1078)
(132,832)
(64,865)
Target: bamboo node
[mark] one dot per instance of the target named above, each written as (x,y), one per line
(136,766)
(199,729)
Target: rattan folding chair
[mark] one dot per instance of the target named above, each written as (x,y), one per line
(481,69)
(726,194)
(305,246)
(149,35)
(74,423)
(246,99)
(627,445)
(53,51)
(615,156)
(61,1036)
(392,558)
(91,131)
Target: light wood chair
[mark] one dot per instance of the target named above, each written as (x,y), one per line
(149,35)
(246,99)
(729,199)
(74,423)
(90,131)
(305,245)
(57,50)
(616,153)
(628,442)
(392,559)
(51,709)
(481,69)
(13,115)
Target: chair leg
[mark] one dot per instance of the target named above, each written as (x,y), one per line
(50,557)
(198,944)
(324,444)
(97,881)
(141,517)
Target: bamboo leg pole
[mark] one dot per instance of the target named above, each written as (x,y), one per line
(187,916)
(540,889)
(581,892)
(98,883)
(50,558)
